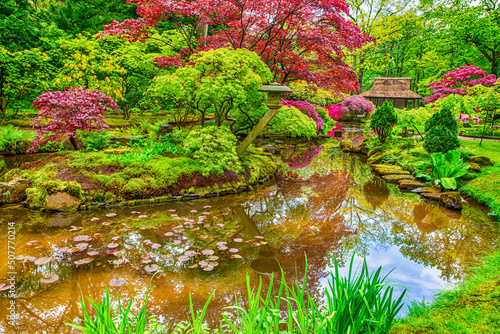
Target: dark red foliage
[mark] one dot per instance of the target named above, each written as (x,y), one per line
(297,39)
(458,80)
(68,111)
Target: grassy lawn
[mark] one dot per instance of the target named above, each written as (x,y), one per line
(474,305)
(486,188)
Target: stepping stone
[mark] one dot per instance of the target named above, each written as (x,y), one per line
(431,196)
(426,190)
(410,184)
(395,178)
(389,170)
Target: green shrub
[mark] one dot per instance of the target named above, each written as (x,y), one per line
(291,122)
(383,120)
(214,148)
(442,118)
(440,139)
(13,140)
(95,141)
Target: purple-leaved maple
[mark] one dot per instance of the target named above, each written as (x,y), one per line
(68,111)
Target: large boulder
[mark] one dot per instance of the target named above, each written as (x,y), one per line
(13,191)
(62,201)
(481,160)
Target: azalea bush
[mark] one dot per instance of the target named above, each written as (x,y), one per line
(459,81)
(357,105)
(68,111)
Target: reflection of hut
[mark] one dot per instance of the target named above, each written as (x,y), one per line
(397,90)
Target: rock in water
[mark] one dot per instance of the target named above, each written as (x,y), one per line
(62,201)
(451,200)
(13,191)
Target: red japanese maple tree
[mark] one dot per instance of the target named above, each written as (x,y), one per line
(458,80)
(297,39)
(68,111)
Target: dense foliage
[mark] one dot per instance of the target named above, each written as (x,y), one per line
(214,148)
(442,118)
(304,39)
(440,139)
(383,120)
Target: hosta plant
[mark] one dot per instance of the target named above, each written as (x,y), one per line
(446,168)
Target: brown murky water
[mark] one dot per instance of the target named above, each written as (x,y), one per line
(341,208)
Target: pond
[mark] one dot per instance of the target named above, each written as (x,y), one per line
(340,208)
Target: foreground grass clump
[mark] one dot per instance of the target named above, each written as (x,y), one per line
(105,177)
(361,302)
(472,307)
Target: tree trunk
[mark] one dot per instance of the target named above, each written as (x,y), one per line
(74,143)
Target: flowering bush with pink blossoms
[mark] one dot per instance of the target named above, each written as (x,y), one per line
(459,81)
(310,109)
(358,105)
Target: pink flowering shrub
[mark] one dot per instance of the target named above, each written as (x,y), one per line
(310,109)
(300,156)
(358,105)
(465,118)
(458,81)
(68,111)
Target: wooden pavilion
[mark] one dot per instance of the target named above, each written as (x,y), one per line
(397,90)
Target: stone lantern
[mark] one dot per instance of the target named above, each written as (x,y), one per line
(275,93)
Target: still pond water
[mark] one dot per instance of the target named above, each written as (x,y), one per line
(340,209)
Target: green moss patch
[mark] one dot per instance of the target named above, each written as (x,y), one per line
(99,177)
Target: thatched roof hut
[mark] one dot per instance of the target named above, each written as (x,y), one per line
(397,90)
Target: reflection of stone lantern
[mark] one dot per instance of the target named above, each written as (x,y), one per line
(274,95)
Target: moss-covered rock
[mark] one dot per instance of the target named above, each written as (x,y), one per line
(480,160)
(396,178)
(61,201)
(389,170)
(474,167)
(451,200)
(410,184)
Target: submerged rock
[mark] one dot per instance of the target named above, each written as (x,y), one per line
(13,191)
(62,201)
(451,200)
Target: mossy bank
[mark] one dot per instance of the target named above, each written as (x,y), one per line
(99,177)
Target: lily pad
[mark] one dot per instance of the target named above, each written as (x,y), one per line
(63,250)
(155,246)
(49,279)
(33,242)
(82,245)
(238,240)
(171,210)
(190,253)
(115,238)
(80,238)
(152,268)
(98,235)
(183,258)
(176,242)
(169,234)
(146,261)
(220,225)
(93,253)
(117,282)
(118,262)
(213,258)
(236,256)
(95,219)
(222,248)
(107,223)
(208,268)
(259,237)
(84,261)
(233,250)
(206,207)
(113,245)
(75,228)
(208,252)
(42,260)
(109,215)
(143,216)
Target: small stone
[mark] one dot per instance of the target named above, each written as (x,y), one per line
(395,178)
